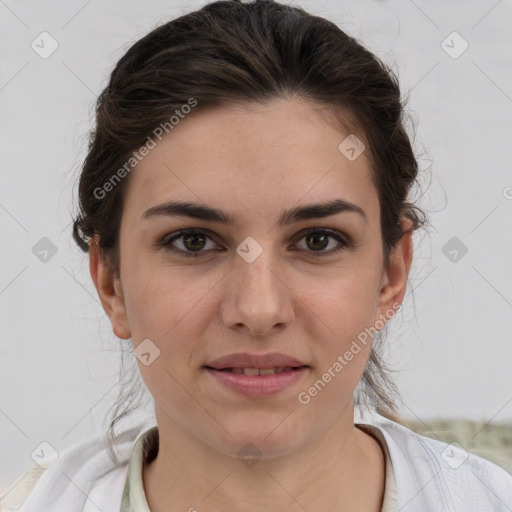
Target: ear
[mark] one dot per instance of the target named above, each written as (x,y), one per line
(394,277)
(109,291)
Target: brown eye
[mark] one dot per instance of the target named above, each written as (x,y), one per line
(317,242)
(318,239)
(192,243)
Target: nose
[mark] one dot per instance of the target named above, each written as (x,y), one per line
(258,297)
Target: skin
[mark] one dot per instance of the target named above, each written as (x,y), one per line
(254,161)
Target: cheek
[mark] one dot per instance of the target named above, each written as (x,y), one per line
(346,303)
(340,358)
(160,300)
(344,313)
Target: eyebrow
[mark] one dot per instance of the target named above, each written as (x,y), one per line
(287,217)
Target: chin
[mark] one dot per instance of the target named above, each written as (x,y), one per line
(262,435)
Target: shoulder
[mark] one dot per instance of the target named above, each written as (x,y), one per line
(21,488)
(430,472)
(83,476)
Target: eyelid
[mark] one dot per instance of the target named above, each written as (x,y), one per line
(186,231)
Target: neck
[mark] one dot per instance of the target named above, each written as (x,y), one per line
(343,469)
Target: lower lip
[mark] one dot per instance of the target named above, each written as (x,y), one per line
(258,385)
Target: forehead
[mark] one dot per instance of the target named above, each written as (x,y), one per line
(256,159)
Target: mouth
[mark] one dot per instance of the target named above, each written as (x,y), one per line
(256,375)
(256,382)
(258,371)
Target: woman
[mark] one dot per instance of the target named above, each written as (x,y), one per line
(245,206)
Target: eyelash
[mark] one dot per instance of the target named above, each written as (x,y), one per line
(342,240)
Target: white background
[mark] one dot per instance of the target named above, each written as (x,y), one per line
(59,359)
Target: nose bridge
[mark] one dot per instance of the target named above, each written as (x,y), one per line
(256,273)
(260,299)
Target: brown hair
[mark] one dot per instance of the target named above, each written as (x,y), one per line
(229,51)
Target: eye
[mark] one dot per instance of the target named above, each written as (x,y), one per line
(193,241)
(317,239)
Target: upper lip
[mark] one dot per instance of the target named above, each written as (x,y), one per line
(260,361)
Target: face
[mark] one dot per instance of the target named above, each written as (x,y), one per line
(262,284)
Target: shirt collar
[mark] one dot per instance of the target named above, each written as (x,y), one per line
(144,451)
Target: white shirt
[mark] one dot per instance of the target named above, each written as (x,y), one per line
(428,475)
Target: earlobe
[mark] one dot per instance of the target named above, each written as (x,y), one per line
(395,275)
(109,291)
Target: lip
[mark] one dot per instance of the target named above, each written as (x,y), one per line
(260,361)
(256,386)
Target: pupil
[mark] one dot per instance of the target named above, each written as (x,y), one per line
(193,236)
(322,237)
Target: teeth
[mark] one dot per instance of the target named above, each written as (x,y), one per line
(257,371)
